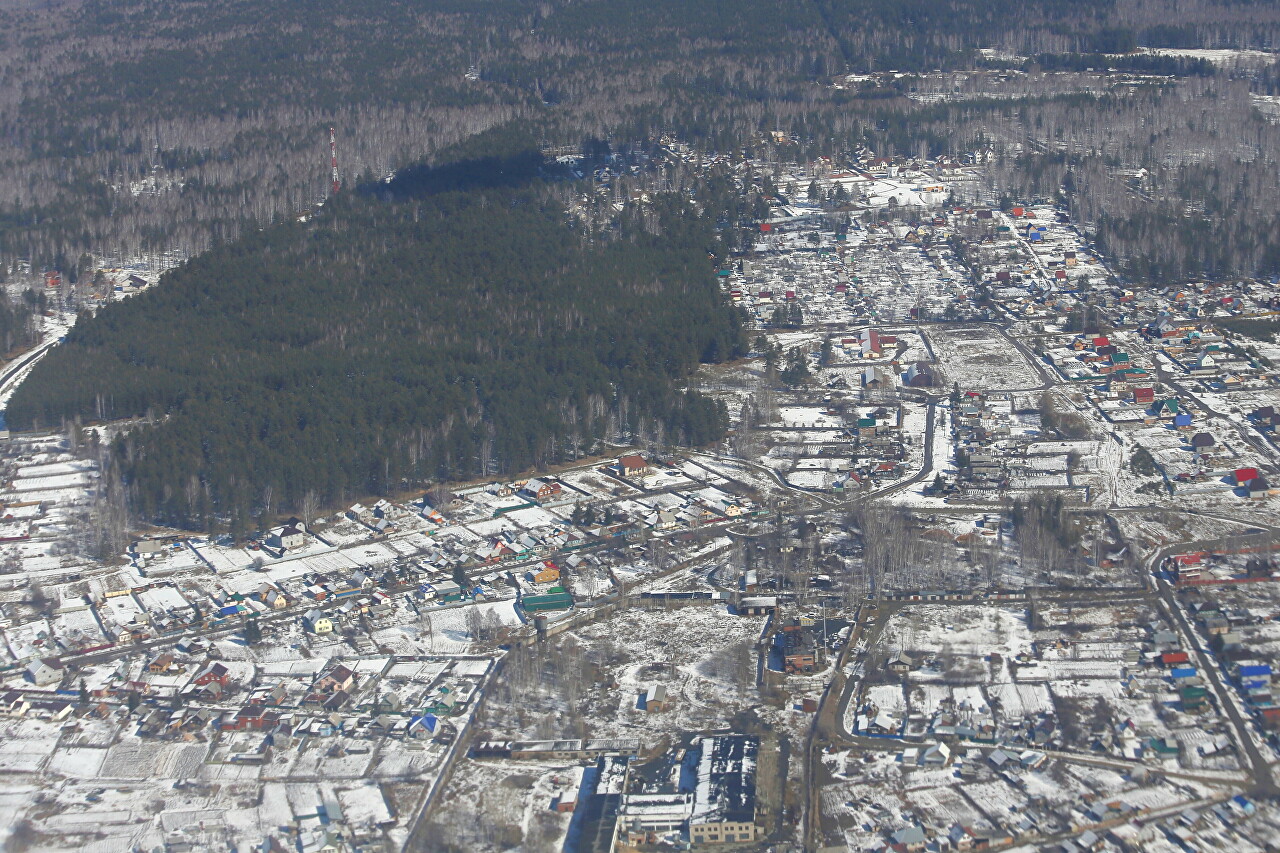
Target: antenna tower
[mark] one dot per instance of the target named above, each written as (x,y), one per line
(333,159)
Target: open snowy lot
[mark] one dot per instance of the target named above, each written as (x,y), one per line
(982,359)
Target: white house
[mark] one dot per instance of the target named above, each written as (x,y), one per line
(43,673)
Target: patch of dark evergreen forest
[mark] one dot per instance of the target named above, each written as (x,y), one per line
(387,345)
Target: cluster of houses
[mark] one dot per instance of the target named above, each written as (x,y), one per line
(1198,568)
(1252,676)
(1033,264)
(329,598)
(1098,359)
(952,719)
(668,509)
(1203,352)
(181,697)
(1095,821)
(866,269)
(878,445)
(19,518)
(981,426)
(166,608)
(1204,300)
(1114,370)
(1028,260)
(1147,660)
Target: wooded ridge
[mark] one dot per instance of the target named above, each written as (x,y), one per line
(385,345)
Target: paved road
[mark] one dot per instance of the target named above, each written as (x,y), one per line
(15,370)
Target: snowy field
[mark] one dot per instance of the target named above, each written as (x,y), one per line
(982,359)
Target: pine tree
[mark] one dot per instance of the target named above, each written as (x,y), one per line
(797,369)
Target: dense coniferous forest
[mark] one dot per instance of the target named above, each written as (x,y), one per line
(447,334)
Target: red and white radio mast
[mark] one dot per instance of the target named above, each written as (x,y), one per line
(333,159)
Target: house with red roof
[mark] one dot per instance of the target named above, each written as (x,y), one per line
(1245,475)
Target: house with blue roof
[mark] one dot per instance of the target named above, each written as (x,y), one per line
(1241,803)
(422,726)
(1252,676)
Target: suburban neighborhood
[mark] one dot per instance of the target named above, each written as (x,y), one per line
(987,561)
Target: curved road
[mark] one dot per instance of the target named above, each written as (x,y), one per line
(15,371)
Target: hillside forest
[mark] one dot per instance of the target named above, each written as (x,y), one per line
(398,338)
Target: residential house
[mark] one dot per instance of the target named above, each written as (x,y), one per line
(901,663)
(338,677)
(910,839)
(548,572)
(287,538)
(160,664)
(14,704)
(422,727)
(1259,488)
(919,375)
(937,755)
(215,673)
(760,605)
(44,672)
(655,698)
(272,597)
(315,621)
(540,489)
(632,466)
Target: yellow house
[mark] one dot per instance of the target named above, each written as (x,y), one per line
(549,573)
(317,623)
(272,597)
